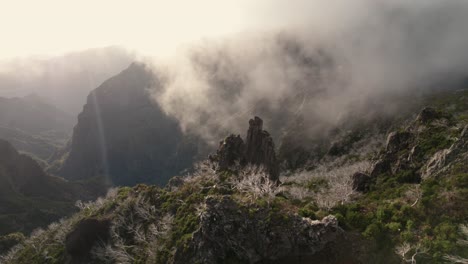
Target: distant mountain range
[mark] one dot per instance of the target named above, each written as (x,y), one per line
(64,80)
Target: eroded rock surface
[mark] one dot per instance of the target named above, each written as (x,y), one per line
(258,149)
(227,229)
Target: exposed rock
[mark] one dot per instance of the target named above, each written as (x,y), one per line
(427,115)
(230,151)
(435,163)
(440,159)
(260,149)
(226,229)
(398,140)
(81,240)
(380,167)
(361,181)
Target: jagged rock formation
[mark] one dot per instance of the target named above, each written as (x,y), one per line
(258,150)
(231,151)
(123,137)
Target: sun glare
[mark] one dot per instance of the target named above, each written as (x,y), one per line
(52,27)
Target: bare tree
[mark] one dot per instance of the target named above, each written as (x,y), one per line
(408,252)
(255,183)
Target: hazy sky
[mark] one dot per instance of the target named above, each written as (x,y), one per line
(154,27)
(50,27)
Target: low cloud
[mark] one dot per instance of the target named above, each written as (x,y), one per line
(356,63)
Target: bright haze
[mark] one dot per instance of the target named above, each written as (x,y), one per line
(52,27)
(61,50)
(222,58)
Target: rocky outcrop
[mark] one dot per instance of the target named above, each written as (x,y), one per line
(398,140)
(87,232)
(258,150)
(442,158)
(229,230)
(361,181)
(423,148)
(230,152)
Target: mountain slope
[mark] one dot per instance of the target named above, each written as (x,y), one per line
(33,126)
(407,198)
(30,198)
(124,138)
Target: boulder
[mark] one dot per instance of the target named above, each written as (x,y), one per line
(397,141)
(80,241)
(380,167)
(361,181)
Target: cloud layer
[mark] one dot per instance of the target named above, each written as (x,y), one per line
(323,63)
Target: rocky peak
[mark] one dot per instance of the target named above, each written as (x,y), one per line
(123,137)
(258,149)
(230,152)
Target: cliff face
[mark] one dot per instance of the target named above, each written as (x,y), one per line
(123,137)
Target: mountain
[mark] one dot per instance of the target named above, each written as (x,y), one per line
(125,138)
(30,198)
(33,125)
(399,200)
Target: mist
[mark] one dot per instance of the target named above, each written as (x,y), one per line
(64,81)
(323,63)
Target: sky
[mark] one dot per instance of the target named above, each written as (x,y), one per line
(375,47)
(52,27)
